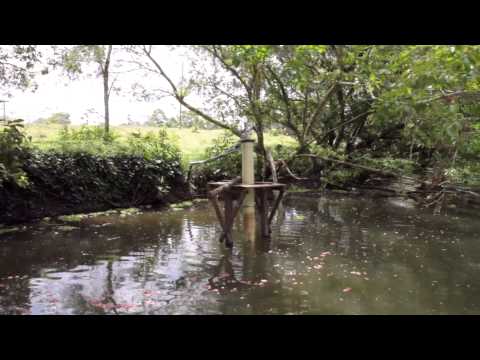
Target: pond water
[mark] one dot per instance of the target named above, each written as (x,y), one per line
(327,255)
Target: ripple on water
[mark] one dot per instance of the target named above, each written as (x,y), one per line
(166,263)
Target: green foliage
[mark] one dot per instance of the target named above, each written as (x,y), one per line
(228,166)
(74,58)
(89,182)
(86,139)
(377,105)
(413,87)
(158,118)
(86,133)
(326,152)
(16,65)
(343,176)
(60,118)
(224,168)
(154,146)
(396,165)
(283,151)
(187,120)
(468,174)
(246,54)
(13,152)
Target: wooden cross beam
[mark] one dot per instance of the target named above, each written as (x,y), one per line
(260,192)
(226,219)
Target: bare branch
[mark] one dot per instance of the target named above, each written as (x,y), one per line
(180,97)
(319,108)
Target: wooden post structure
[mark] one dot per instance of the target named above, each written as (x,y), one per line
(248,178)
(251,195)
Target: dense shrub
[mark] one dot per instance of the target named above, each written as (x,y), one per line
(92,140)
(13,151)
(396,165)
(154,146)
(86,133)
(86,173)
(468,174)
(231,165)
(76,182)
(224,168)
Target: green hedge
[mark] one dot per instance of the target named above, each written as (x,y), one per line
(63,183)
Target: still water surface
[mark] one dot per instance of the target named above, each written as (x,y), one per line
(328,255)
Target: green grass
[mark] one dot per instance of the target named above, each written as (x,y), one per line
(191,143)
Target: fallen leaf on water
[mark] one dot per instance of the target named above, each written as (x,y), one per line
(126,306)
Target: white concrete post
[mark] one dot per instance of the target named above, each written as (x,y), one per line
(248,178)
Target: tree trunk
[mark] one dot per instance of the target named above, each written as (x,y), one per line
(106,89)
(341,132)
(261,151)
(106,103)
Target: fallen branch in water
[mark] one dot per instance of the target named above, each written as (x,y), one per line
(283,165)
(366,168)
(458,189)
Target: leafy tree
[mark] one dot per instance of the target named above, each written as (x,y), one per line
(432,92)
(17,64)
(233,88)
(13,152)
(355,100)
(147,59)
(76,59)
(158,118)
(60,118)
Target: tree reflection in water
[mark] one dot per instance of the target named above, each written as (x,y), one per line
(388,257)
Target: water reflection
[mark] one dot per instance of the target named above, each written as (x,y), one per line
(328,255)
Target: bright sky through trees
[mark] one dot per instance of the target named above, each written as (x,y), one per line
(83,99)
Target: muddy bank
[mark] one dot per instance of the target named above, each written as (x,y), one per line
(62,184)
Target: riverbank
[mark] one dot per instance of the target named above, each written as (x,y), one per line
(72,183)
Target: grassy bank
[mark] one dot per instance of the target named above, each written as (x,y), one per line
(192,143)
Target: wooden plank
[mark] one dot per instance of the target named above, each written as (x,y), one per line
(260,186)
(224,187)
